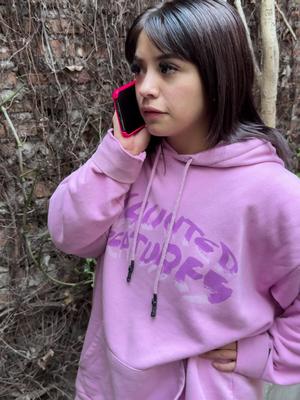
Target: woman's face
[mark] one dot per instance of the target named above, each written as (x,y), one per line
(171,97)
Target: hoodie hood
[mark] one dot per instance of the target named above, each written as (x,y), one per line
(249,152)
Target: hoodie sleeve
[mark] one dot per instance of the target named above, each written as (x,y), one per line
(274,356)
(86,203)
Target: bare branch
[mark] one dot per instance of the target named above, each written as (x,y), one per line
(258,73)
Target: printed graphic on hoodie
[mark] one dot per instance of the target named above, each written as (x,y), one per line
(191,255)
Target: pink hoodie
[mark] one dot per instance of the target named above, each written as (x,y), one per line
(214,239)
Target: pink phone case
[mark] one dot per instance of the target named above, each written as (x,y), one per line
(115,96)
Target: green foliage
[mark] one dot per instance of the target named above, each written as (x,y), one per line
(89,270)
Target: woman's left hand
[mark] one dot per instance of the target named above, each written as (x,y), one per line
(224,359)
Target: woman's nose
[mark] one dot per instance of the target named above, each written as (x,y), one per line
(148,86)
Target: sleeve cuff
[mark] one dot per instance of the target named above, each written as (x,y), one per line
(115,162)
(252,355)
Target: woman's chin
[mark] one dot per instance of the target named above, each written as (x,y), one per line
(156,132)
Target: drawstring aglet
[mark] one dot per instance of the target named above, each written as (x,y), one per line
(154,305)
(130,270)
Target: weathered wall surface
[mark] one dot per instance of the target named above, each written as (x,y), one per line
(58,63)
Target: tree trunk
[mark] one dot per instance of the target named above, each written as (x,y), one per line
(270,68)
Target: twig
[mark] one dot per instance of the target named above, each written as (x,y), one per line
(14,132)
(20,353)
(5,312)
(35,394)
(11,97)
(286,21)
(16,230)
(109,49)
(22,48)
(39,266)
(19,147)
(95,25)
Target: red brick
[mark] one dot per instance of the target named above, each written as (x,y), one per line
(57,47)
(5,299)
(102,54)
(40,50)
(3,133)
(37,79)
(8,149)
(21,106)
(63,25)
(41,190)
(83,77)
(70,50)
(8,80)
(3,236)
(26,129)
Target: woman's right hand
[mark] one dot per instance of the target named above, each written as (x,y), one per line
(135,144)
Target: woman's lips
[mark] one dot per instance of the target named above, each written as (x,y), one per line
(151,113)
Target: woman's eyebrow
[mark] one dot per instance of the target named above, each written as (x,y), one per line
(163,56)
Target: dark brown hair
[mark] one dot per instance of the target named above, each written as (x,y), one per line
(211,35)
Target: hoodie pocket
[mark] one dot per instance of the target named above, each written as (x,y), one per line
(103,376)
(93,378)
(163,382)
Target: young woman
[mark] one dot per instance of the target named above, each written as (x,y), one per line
(194,221)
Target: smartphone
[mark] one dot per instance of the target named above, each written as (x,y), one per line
(127,109)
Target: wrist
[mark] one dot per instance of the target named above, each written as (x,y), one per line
(133,150)
(131,146)
(116,162)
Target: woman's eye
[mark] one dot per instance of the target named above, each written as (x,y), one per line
(167,68)
(135,68)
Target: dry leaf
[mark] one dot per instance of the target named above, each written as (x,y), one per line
(42,362)
(74,68)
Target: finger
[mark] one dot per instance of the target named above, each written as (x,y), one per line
(220,355)
(115,120)
(224,367)
(230,346)
(116,127)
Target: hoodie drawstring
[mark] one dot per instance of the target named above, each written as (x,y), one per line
(139,221)
(167,241)
(169,234)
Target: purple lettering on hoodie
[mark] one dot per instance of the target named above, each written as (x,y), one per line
(115,240)
(181,259)
(153,257)
(205,244)
(188,269)
(215,283)
(131,212)
(177,223)
(125,241)
(148,213)
(176,253)
(192,229)
(141,238)
(158,220)
(167,221)
(228,260)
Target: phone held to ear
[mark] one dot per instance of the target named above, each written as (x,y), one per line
(127,110)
